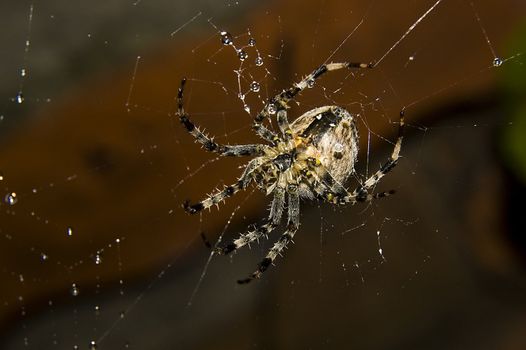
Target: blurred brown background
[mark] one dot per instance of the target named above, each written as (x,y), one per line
(77,157)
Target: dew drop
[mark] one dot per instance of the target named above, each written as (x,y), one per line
(1,176)
(242,54)
(97,310)
(75,347)
(252,42)
(74,290)
(69,231)
(226,38)
(254,86)
(23,72)
(19,98)
(11,198)
(259,61)
(271,108)
(92,345)
(497,62)
(98,259)
(43,256)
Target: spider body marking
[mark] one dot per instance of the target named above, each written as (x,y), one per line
(310,159)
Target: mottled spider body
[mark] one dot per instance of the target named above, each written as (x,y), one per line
(310,159)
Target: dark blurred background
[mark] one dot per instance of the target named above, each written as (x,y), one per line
(94,244)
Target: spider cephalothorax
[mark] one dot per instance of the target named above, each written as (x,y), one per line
(310,159)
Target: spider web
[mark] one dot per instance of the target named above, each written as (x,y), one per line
(92,249)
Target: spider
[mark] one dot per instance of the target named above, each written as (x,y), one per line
(309,159)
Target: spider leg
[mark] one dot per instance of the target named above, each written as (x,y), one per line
(281,244)
(281,99)
(228,191)
(208,142)
(276,211)
(361,194)
(283,124)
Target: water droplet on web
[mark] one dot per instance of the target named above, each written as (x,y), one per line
(98,259)
(226,38)
(310,83)
(254,87)
(92,345)
(11,198)
(252,42)
(1,176)
(69,231)
(259,61)
(75,347)
(19,98)
(74,290)
(271,108)
(242,54)
(97,310)
(43,256)
(23,72)
(497,62)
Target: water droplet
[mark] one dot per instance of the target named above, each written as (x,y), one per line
(121,314)
(310,83)
(74,290)
(117,240)
(43,256)
(497,62)
(259,61)
(21,278)
(242,54)
(271,108)
(1,176)
(11,198)
(226,38)
(97,310)
(98,259)
(69,231)
(338,147)
(75,347)
(252,42)
(92,345)
(23,72)
(254,87)
(19,98)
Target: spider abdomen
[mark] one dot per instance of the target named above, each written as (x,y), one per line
(332,137)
